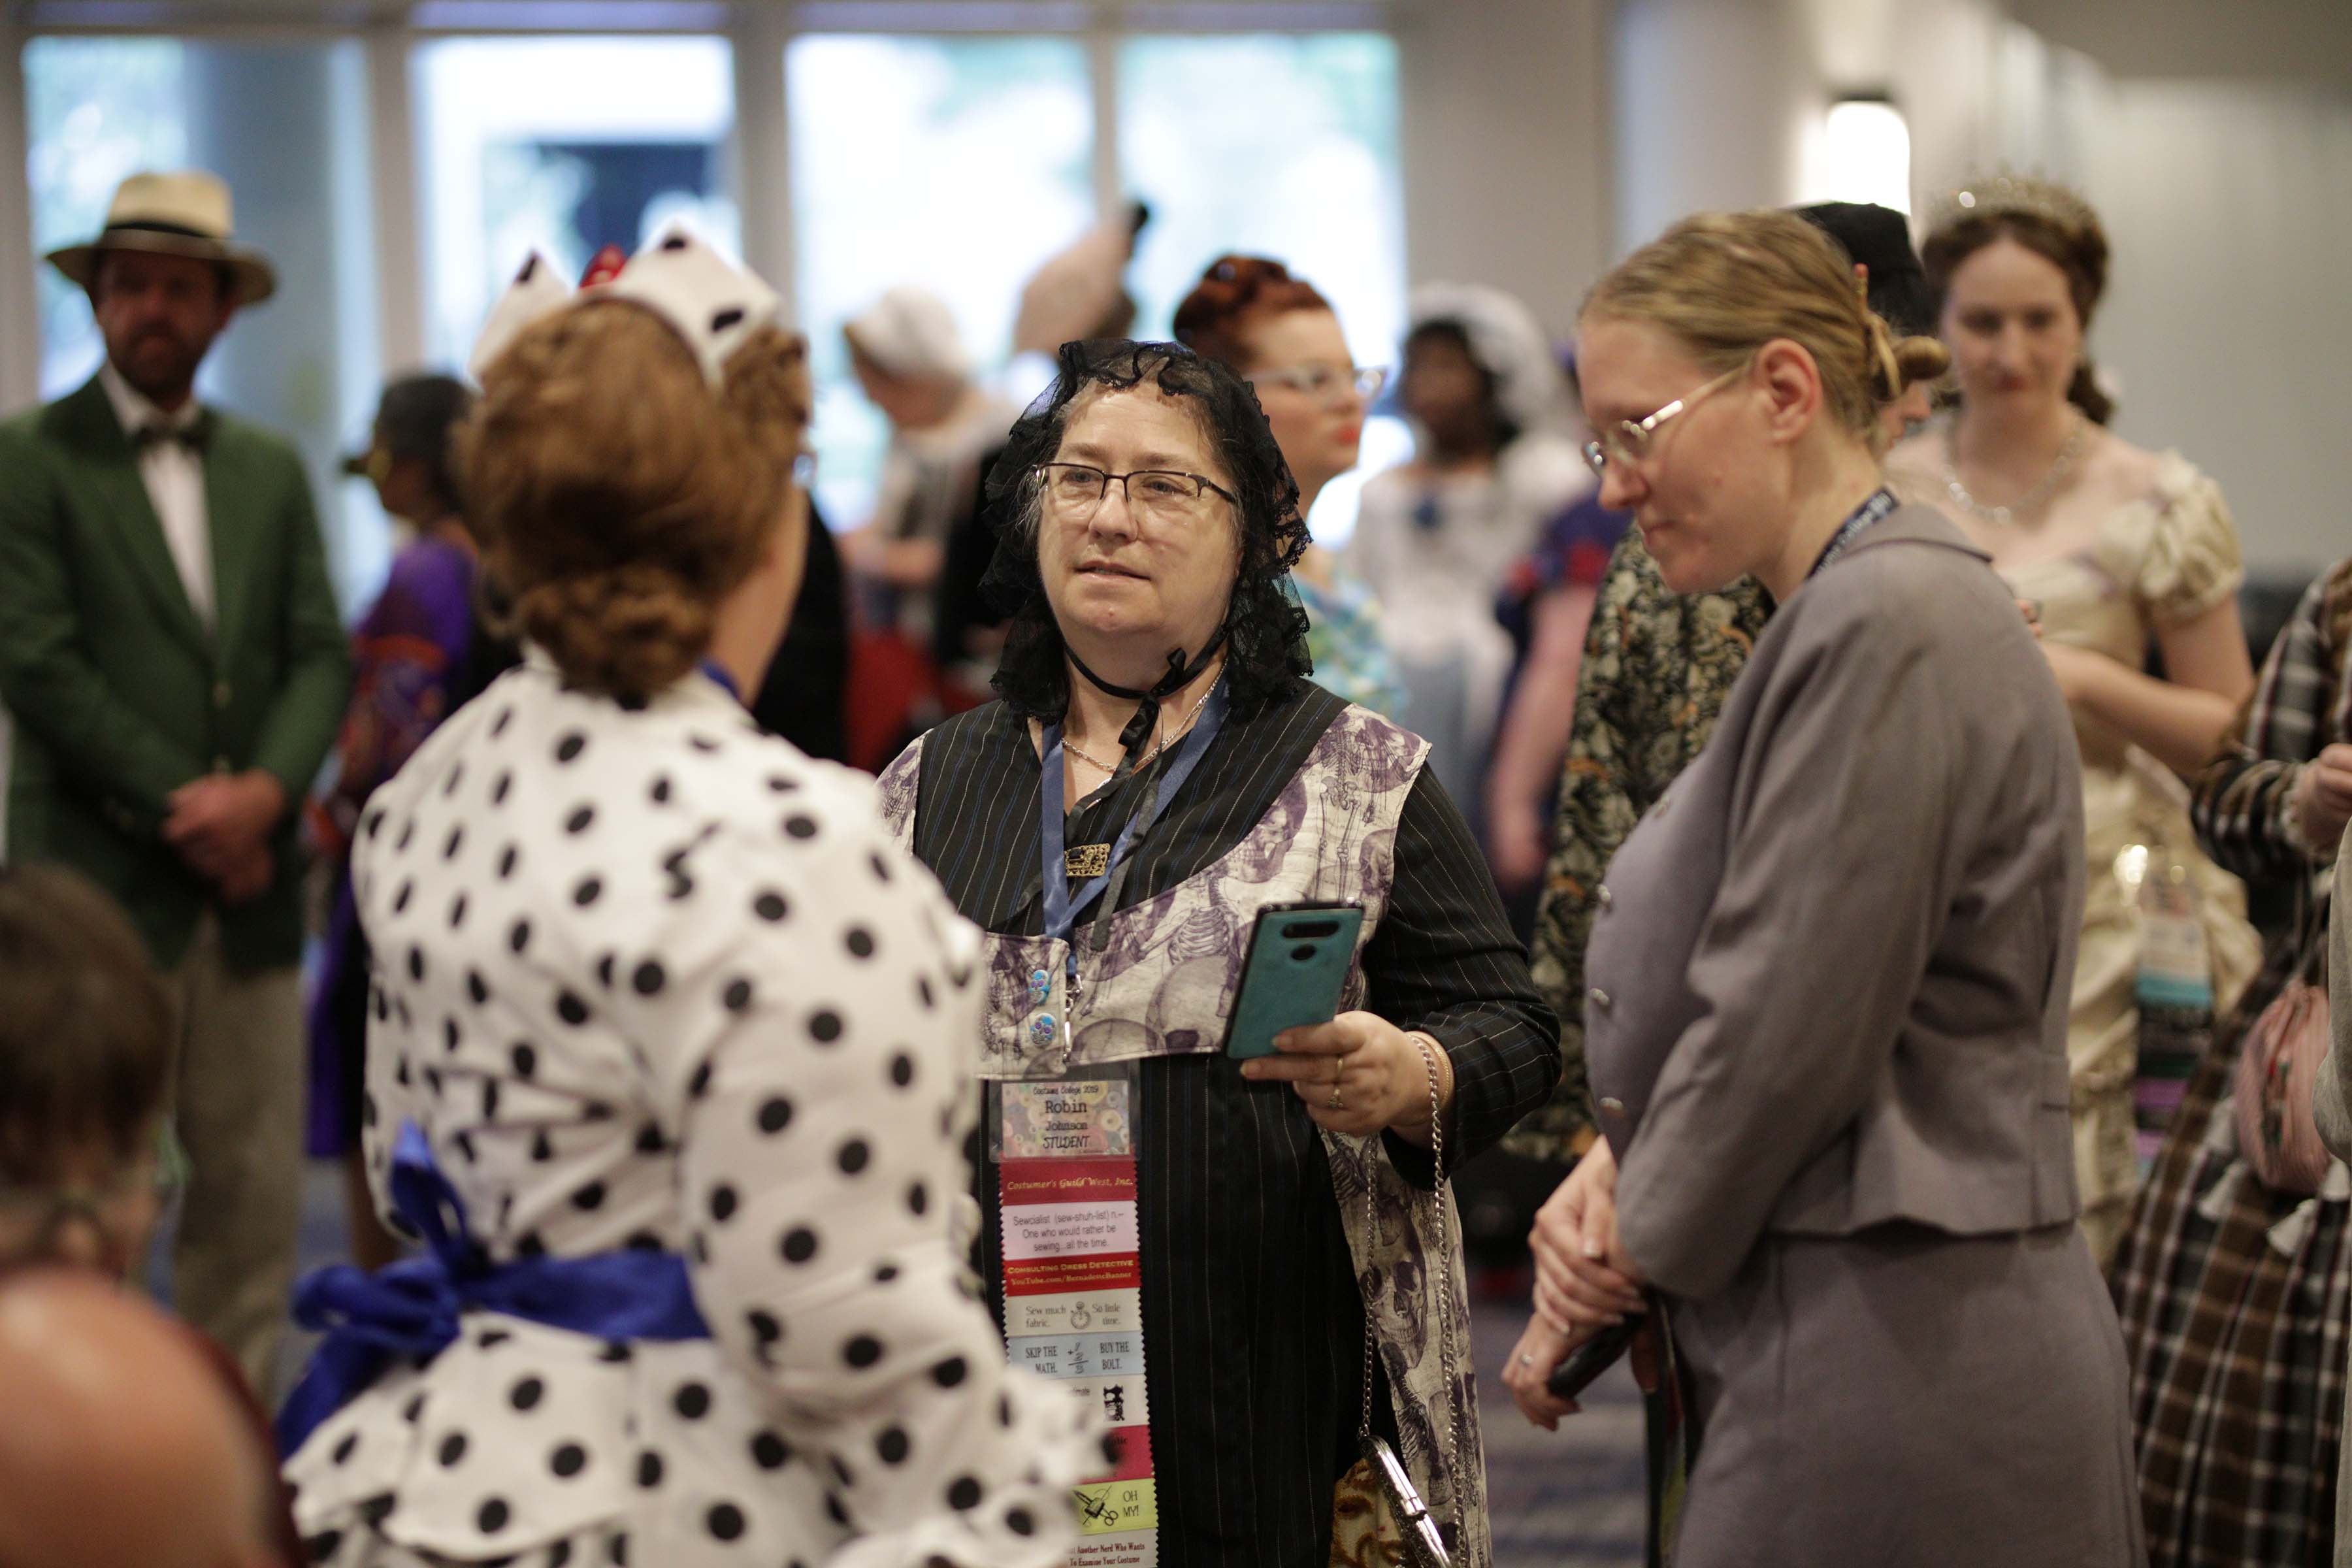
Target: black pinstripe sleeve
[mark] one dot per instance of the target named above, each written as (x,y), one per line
(1445,961)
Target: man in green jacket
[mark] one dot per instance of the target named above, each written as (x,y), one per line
(171,654)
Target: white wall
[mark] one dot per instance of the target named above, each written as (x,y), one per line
(2217,147)
(1713,102)
(1505,137)
(1717,99)
(2227,320)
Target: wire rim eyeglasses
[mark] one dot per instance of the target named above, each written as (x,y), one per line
(1324,381)
(1629,440)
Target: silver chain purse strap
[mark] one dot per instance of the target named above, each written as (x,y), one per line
(1424,1546)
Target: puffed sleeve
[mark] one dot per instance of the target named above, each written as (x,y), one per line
(821,1114)
(1371,553)
(2193,560)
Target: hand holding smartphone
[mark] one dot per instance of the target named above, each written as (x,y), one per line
(1295,973)
(1590,1360)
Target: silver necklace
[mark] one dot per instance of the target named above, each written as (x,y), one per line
(2033,500)
(1162,745)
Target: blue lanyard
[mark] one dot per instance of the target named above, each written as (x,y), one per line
(718,673)
(1880,502)
(1062,905)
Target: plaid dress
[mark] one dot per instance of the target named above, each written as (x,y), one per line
(2234,1299)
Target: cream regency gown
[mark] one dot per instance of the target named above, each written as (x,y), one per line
(2157,562)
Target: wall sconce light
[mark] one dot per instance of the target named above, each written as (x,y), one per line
(1865,152)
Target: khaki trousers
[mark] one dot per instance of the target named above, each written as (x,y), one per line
(237,1106)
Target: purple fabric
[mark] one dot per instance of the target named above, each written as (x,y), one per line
(406,653)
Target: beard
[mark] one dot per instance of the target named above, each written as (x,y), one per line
(159,363)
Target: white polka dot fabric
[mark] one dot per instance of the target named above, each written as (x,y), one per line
(652,979)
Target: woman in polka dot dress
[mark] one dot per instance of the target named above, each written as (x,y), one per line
(658,993)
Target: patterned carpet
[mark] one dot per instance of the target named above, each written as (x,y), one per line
(1571,1498)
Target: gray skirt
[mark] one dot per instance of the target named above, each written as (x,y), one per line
(1905,1396)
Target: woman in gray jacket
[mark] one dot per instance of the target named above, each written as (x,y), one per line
(1827,1020)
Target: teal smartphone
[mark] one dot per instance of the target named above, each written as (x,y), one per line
(1297,968)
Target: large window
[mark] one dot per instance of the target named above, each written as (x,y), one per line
(955,163)
(961,164)
(1274,145)
(1281,146)
(97,109)
(563,146)
(284,123)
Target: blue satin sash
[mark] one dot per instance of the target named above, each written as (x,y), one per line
(411,1308)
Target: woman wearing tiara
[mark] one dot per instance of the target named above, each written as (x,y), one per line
(2122,550)
(670,1046)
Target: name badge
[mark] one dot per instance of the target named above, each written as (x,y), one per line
(1076,1116)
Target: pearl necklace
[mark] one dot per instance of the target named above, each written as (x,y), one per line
(1158,746)
(2033,499)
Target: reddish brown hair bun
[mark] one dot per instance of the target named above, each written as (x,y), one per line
(619,499)
(1216,317)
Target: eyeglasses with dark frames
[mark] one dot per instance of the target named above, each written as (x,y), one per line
(1075,491)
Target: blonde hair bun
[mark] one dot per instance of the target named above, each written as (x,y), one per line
(1726,284)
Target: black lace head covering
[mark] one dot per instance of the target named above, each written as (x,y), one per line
(1265,631)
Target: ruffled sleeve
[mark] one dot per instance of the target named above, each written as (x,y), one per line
(2193,560)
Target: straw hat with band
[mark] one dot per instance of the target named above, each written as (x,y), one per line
(183,212)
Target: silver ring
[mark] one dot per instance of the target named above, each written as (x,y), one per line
(1526,1359)
(1335,1102)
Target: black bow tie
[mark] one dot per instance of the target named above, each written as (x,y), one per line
(189,437)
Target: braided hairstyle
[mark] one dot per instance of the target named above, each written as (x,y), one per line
(2078,249)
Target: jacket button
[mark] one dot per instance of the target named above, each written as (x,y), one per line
(220,693)
(1608,899)
(1598,997)
(1612,1107)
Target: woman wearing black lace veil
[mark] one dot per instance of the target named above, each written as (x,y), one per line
(1153,677)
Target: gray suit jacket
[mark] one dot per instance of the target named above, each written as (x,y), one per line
(1832,971)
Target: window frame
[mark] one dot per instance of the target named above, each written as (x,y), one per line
(758,151)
